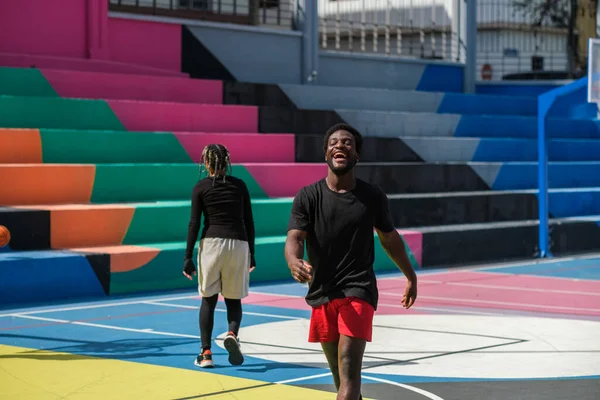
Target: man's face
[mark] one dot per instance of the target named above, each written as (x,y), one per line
(341,153)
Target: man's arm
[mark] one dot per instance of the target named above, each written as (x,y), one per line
(298,227)
(294,254)
(393,245)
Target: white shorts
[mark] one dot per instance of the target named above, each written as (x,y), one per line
(223,267)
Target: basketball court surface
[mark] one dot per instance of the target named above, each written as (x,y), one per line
(510,331)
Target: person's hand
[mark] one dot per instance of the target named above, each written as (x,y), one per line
(252,268)
(410,294)
(301,271)
(189,268)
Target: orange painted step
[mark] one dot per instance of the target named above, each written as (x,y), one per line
(25,184)
(105,224)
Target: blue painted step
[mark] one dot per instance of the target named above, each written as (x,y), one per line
(37,276)
(515,176)
(443,149)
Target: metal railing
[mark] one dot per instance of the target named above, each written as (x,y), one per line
(269,13)
(413,28)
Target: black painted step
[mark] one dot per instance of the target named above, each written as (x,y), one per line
(402,178)
(437,209)
(462,245)
(309,148)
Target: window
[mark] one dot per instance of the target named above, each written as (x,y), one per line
(537,63)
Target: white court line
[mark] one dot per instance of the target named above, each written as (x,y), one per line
(422,392)
(525,289)
(90,306)
(157,303)
(117,328)
(502,303)
(303,378)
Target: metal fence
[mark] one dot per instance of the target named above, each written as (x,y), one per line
(413,28)
(270,13)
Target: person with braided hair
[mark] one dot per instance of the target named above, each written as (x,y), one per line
(225,252)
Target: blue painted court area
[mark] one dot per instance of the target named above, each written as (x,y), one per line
(452,353)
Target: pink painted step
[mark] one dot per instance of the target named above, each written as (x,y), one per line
(79,64)
(159,116)
(285,180)
(414,241)
(243,147)
(101,85)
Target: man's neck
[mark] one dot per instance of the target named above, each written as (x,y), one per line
(341,183)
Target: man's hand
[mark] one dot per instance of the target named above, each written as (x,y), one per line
(189,268)
(410,294)
(301,270)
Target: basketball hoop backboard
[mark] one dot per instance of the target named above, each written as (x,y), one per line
(594,71)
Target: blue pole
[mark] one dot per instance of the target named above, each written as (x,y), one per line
(544,103)
(471,53)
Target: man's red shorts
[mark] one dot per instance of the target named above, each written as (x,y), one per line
(349,316)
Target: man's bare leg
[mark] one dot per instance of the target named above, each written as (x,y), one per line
(331,353)
(345,362)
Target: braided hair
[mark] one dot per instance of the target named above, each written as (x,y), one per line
(217,157)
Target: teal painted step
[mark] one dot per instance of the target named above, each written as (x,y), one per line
(148,182)
(168,221)
(105,147)
(58,113)
(24,82)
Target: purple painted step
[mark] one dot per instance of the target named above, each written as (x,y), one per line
(184,117)
(243,147)
(99,85)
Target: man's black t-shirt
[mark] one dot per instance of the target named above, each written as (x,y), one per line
(340,239)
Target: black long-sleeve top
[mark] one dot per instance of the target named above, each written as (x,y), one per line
(227,212)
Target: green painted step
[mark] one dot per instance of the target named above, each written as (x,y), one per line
(58,113)
(24,82)
(85,146)
(168,221)
(164,271)
(116,183)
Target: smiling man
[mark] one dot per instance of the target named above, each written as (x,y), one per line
(335,217)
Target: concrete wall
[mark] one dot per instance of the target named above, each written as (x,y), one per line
(255,55)
(260,55)
(82,30)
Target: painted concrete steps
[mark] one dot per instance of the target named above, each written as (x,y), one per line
(97,146)
(41,227)
(394,124)
(461,245)
(314,97)
(60,113)
(440,149)
(110,270)
(102,85)
(109,183)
